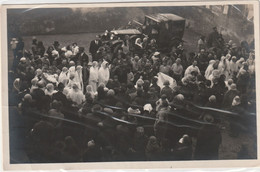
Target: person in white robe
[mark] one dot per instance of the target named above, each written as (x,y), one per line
(215,74)
(209,69)
(72,68)
(72,81)
(103,73)
(233,67)
(78,77)
(63,75)
(93,76)
(223,67)
(76,95)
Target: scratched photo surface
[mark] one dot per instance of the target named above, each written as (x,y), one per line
(131,84)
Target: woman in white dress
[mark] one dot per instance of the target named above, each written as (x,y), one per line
(78,77)
(103,73)
(93,76)
(209,69)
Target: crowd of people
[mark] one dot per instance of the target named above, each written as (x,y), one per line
(108,104)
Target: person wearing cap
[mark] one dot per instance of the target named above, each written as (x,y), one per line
(94,46)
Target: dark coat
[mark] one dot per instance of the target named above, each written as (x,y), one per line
(94,47)
(208,141)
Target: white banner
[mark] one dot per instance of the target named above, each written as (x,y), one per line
(163,77)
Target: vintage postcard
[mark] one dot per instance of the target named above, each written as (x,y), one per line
(144,85)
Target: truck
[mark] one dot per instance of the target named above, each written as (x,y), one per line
(166,28)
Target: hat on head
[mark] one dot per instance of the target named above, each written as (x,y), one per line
(111,92)
(68,54)
(23,59)
(212,98)
(148,107)
(179,97)
(55,53)
(156,53)
(27,97)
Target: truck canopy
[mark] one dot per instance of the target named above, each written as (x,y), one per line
(164,17)
(126,32)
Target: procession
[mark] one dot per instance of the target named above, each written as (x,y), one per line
(129,98)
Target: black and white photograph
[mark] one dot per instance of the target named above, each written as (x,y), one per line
(141,83)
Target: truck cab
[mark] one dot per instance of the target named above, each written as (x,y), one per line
(166,28)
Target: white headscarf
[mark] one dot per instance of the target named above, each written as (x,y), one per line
(138,44)
(103,73)
(209,69)
(63,75)
(78,77)
(76,95)
(93,72)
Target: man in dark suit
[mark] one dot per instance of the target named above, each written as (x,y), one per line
(94,46)
(81,57)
